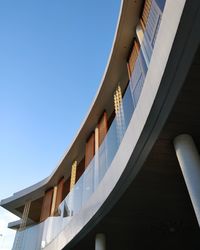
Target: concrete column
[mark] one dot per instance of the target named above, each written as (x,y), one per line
(189,161)
(100,242)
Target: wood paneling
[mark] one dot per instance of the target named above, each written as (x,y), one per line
(146,10)
(35,209)
(59,196)
(133,58)
(53,203)
(89,150)
(73,175)
(103,127)
(46,205)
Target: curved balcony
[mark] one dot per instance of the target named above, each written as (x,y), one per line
(129,137)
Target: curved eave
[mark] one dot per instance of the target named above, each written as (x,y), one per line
(115,72)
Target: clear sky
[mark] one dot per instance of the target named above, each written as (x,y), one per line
(53,54)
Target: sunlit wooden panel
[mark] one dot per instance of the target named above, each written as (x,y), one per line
(73,175)
(133,58)
(59,196)
(89,150)
(102,127)
(46,205)
(146,10)
(119,112)
(53,204)
(118,100)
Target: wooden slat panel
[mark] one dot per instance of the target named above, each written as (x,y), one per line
(59,196)
(53,204)
(142,25)
(146,10)
(103,127)
(73,175)
(133,57)
(46,205)
(89,150)
(25,215)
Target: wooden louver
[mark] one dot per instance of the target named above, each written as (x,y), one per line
(59,196)
(25,215)
(119,111)
(102,127)
(133,57)
(89,150)
(118,100)
(146,10)
(73,175)
(46,205)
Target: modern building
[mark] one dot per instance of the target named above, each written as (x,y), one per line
(131,178)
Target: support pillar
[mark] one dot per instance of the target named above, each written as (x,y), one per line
(189,161)
(100,242)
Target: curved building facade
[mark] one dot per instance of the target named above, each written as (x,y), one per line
(130,179)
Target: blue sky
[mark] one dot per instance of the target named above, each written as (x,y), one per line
(52,57)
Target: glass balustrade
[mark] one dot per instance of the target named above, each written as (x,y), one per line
(97,168)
